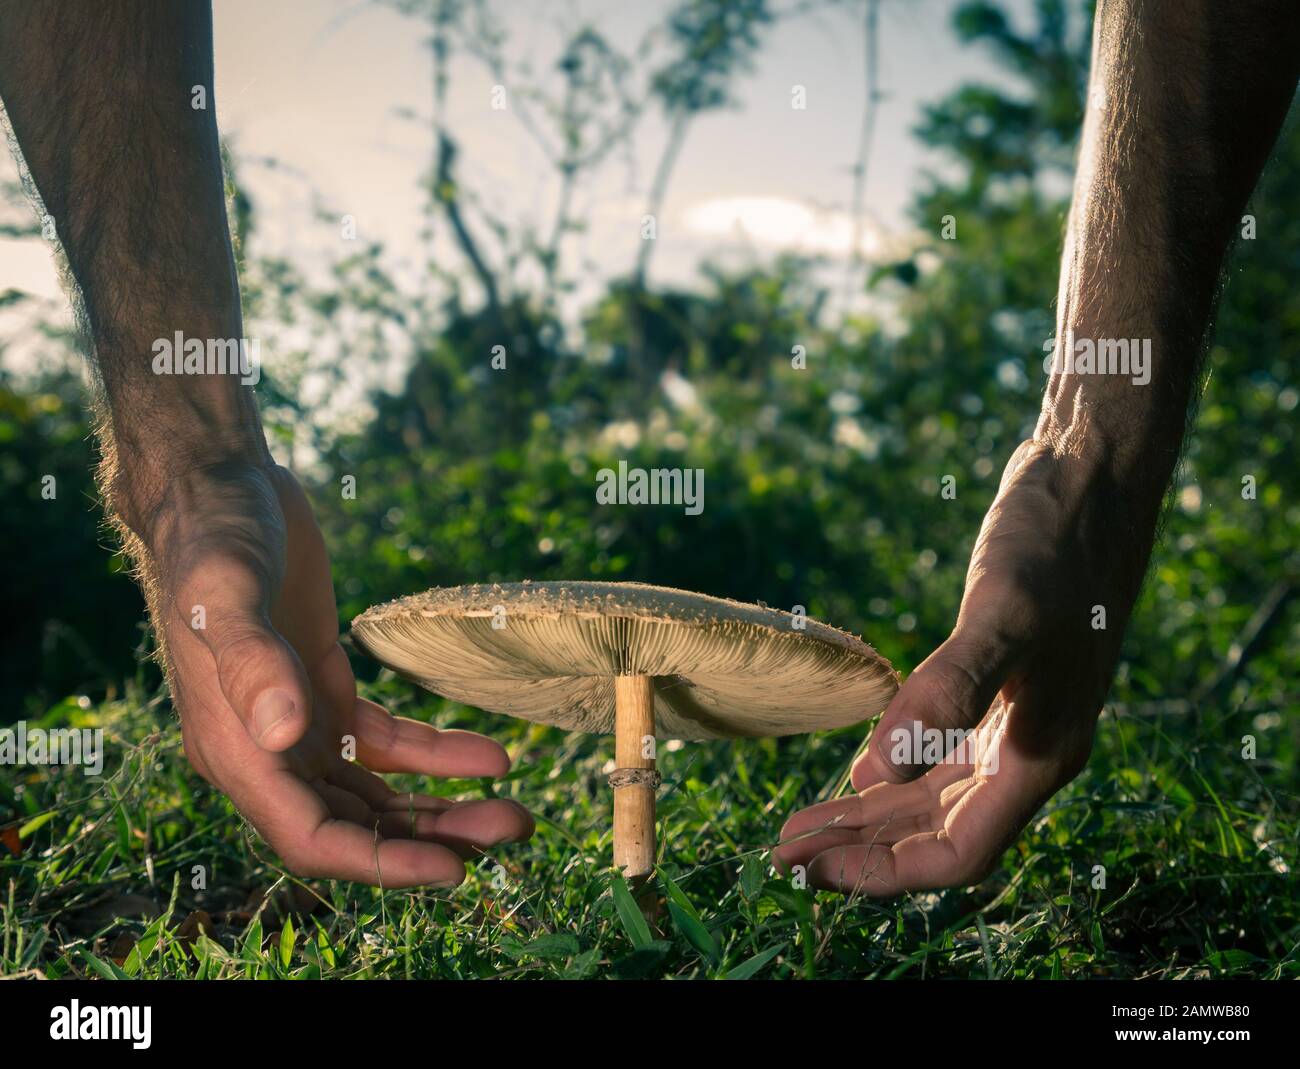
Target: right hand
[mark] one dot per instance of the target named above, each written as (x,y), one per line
(1024,669)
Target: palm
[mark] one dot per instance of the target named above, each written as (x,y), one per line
(945,828)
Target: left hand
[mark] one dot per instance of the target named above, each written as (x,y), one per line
(267,698)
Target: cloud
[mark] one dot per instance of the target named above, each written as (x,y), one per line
(781,223)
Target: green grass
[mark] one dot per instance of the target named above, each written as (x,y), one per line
(1199,848)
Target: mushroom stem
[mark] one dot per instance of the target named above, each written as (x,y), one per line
(634,802)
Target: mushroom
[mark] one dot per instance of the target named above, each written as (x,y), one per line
(642,661)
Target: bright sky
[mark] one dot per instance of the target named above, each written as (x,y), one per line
(318,85)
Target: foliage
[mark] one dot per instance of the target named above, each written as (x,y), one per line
(75,617)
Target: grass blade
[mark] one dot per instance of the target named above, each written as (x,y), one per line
(750,966)
(630,913)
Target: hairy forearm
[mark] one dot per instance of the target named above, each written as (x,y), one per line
(100,99)
(1185,103)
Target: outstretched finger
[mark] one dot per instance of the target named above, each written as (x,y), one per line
(297,823)
(980,817)
(387,743)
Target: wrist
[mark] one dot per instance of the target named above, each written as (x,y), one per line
(1110,501)
(178,400)
(145,475)
(1069,515)
(1115,408)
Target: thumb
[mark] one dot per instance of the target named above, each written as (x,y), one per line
(952,689)
(258,671)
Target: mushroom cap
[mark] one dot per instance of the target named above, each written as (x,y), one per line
(722,669)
